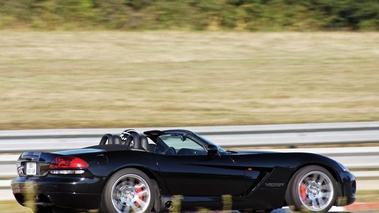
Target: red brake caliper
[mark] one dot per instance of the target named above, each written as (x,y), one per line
(303,192)
(138,190)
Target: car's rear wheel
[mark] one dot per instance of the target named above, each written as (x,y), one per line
(128,190)
(312,189)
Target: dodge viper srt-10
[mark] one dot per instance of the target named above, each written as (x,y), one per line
(177,170)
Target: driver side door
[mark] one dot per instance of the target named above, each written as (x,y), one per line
(189,169)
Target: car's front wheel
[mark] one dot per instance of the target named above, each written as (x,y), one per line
(312,189)
(128,190)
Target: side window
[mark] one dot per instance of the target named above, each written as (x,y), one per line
(181,145)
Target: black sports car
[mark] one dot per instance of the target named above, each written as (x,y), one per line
(177,170)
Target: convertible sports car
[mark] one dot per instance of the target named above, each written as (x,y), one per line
(177,170)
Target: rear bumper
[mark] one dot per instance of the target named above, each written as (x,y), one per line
(73,192)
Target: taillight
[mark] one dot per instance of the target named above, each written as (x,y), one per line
(68,165)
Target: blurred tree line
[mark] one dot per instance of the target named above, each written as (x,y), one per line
(244,15)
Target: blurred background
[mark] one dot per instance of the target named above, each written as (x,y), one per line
(120,63)
(161,63)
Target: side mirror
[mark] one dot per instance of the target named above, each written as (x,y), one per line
(212,150)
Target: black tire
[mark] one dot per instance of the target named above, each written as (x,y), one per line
(128,190)
(311,189)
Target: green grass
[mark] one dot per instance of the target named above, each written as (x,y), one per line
(135,79)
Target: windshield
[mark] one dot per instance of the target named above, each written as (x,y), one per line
(221,150)
(179,144)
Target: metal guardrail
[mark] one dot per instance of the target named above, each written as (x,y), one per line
(363,159)
(226,136)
